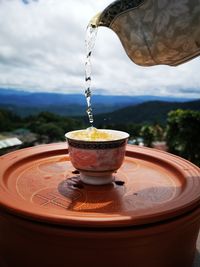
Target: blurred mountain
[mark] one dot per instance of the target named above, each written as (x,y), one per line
(26,103)
(148,112)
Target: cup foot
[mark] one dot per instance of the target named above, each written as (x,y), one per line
(97,179)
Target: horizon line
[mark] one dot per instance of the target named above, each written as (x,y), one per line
(93,94)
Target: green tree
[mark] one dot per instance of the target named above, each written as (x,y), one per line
(183,134)
(147,133)
(159,132)
(8,120)
(58,124)
(52,131)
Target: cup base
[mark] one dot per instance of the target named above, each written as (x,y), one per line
(97,179)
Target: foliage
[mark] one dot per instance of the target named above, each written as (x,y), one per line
(48,126)
(8,120)
(183,134)
(51,125)
(147,133)
(151,133)
(159,132)
(51,130)
(35,123)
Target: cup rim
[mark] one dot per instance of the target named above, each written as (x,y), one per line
(122,136)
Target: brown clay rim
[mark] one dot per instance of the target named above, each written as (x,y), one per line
(187,200)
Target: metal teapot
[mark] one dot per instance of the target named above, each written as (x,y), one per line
(155,32)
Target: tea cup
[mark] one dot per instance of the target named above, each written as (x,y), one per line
(98,159)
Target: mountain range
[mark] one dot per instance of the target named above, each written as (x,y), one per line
(26,103)
(148,112)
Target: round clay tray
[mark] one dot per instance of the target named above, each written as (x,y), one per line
(40,184)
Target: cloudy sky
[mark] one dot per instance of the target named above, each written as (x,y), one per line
(42,49)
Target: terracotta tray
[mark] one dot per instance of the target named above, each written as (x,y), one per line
(40,184)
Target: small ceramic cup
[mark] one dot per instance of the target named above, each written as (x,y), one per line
(97,160)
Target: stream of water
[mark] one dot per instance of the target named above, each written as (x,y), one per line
(91,34)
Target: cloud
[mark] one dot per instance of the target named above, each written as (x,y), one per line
(42,48)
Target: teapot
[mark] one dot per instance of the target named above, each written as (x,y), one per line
(155,32)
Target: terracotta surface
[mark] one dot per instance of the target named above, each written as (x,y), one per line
(170,244)
(39,183)
(149,217)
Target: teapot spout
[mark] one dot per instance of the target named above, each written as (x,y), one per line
(112,11)
(96,20)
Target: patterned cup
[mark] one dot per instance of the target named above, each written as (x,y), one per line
(97,160)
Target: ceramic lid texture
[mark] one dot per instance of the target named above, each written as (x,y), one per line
(40,184)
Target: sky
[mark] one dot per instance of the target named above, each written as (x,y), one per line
(42,48)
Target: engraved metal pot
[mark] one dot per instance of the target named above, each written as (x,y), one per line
(155,32)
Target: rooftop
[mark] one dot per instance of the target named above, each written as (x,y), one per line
(9,142)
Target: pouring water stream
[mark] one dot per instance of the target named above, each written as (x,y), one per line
(91,34)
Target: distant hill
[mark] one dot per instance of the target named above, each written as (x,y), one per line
(149,112)
(26,103)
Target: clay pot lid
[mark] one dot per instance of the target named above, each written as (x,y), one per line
(40,184)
